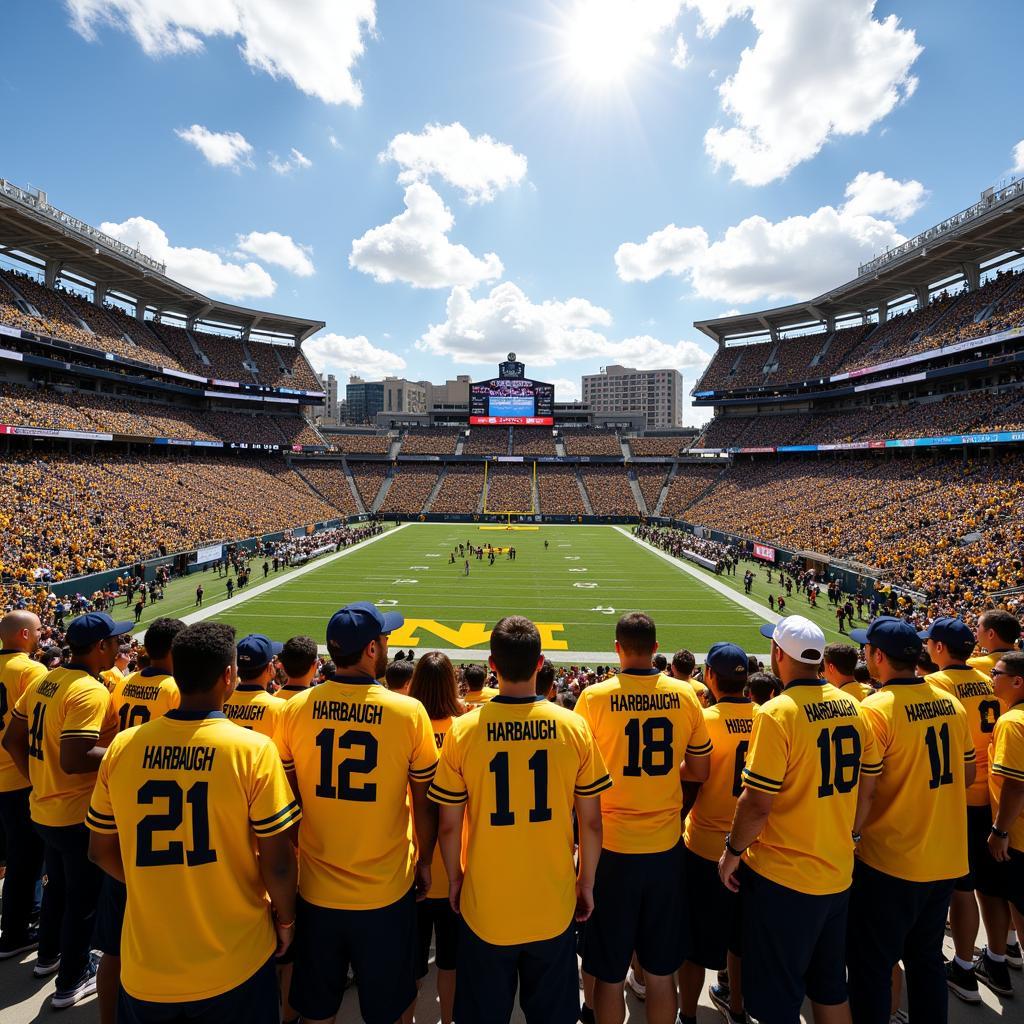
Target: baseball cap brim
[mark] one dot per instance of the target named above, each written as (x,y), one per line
(768,630)
(120,628)
(276,647)
(859,636)
(392,621)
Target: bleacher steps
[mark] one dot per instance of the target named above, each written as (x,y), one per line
(396,447)
(383,492)
(638,495)
(535,491)
(664,488)
(587,507)
(437,489)
(356,496)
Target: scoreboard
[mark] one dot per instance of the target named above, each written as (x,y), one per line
(510,401)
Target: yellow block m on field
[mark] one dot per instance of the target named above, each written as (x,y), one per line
(469,634)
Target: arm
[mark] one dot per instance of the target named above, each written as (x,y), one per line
(105,853)
(280,875)
(588,815)
(865,797)
(1011,806)
(970,774)
(691,790)
(696,768)
(752,810)
(450,838)
(15,742)
(80,756)
(424,816)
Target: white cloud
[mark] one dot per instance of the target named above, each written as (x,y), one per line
(680,53)
(567,390)
(221,149)
(280,250)
(312,43)
(201,269)
(343,356)
(548,333)
(414,247)
(798,257)
(817,70)
(479,167)
(333,140)
(295,161)
(1018,157)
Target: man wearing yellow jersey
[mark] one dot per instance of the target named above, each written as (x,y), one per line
(57,737)
(193,816)
(839,664)
(115,674)
(477,691)
(249,705)
(19,636)
(808,778)
(140,697)
(713,910)
(353,751)
(914,842)
(300,660)
(949,643)
(681,667)
(519,765)
(651,734)
(997,633)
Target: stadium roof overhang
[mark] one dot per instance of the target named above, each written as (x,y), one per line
(30,226)
(990,233)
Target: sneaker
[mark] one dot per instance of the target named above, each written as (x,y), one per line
(12,947)
(640,991)
(44,968)
(899,1017)
(995,975)
(82,989)
(962,983)
(1013,956)
(720,997)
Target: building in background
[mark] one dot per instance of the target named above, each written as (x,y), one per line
(657,394)
(392,396)
(332,415)
(364,400)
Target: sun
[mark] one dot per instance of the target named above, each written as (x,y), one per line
(602,41)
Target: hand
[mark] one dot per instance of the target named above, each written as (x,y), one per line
(584,901)
(999,848)
(728,867)
(455,894)
(284,937)
(422,880)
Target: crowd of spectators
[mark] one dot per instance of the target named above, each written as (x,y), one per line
(430,441)
(362,443)
(533,441)
(666,446)
(651,479)
(591,442)
(369,478)
(509,487)
(609,491)
(461,490)
(689,482)
(409,489)
(331,482)
(559,492)
(488,441)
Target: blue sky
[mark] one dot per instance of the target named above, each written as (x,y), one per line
(576,180)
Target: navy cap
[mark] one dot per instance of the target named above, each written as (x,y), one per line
(88,629)
(954,632)
(728,660)
(892,636)
(257,651)
(351,628)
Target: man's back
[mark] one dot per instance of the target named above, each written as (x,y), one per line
(142,696)
(17,672)
(915,829)
(644,724)
(251,707)
(186,796)
(354,747)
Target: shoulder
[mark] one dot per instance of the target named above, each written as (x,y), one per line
(406,706)
(712,714)
(601,689)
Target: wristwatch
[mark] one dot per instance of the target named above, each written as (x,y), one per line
(999,833)
(730,848)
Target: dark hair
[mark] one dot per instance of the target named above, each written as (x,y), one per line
(515,648)
(1014,662)
(1006,626)
(247,675)
(862,673)
(635,633)
(398,673)
(762,686)
(728,682)
(435,685)
(545,678)
(842,657)
(660,662)
(753,665)
(474,675)
(160,635)
(298,656)
(899,664)
(925,662)
(201,652)
(684,662)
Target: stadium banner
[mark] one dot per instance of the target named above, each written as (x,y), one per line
(210,553)
(848,446)
(182,375)
(752,451)
(891,382)
(5,429)
(15,357)
(75,435)
(999,437)
(764,552)
(12,332)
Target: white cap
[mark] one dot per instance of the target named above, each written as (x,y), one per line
(798,637)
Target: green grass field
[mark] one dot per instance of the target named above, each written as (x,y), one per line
(575,589)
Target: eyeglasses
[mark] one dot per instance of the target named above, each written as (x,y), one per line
(1000,672)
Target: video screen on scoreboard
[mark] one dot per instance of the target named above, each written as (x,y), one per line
(512,402)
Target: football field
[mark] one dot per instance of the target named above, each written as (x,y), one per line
(574,589)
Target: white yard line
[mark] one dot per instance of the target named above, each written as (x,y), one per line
(248,594)
(709,581)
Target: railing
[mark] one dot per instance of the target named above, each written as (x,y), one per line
(37,202)
(990,199)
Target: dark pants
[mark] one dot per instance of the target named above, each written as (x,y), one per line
(73,883)
(892,919)
(24,865)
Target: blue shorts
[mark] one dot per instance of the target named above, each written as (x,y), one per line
(714,913)
(436,919)
(380,947)
(110,916)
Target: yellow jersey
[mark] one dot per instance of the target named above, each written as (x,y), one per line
(111,678)
(354,746)
(143,695)
(974,690)
(644,723)
(17,672)
(1008,763)
(186,794)
(916,829)
(438,874)
(253,708)
(702,692)
(809,746)
(730,724)
(518,763)
(287,692)
(67,702)
(474,698)
(984,663)
(858,691)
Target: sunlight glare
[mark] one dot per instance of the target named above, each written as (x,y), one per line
(603,41)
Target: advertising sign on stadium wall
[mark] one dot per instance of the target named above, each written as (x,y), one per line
(764,552)
(9,331)
(78,435)
(210,553)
